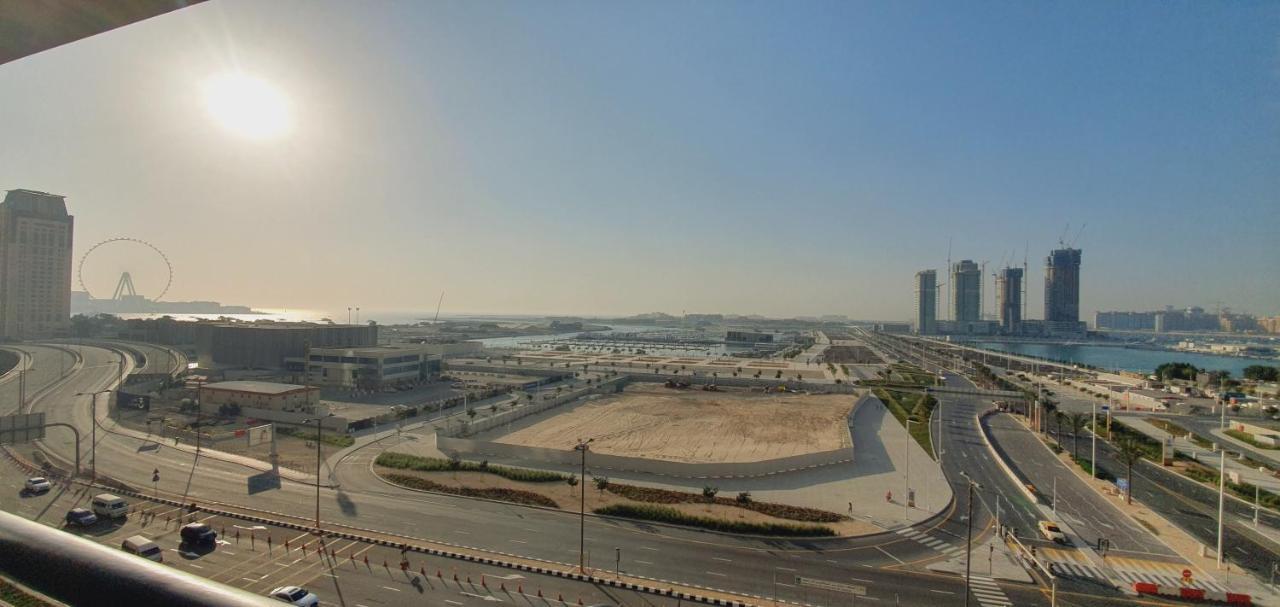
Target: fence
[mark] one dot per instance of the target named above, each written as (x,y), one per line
(471,427)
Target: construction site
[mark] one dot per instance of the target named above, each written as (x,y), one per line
(677,423)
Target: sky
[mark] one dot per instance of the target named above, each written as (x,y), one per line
(605,158)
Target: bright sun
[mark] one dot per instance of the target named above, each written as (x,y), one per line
(247,105)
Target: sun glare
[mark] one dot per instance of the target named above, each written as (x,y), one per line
(247,105)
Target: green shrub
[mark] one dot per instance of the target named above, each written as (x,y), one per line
(514,496)
(1248,438)
(664,514)
(654,495)
(335,440)
(404,461)
(1087,466)
(17,597)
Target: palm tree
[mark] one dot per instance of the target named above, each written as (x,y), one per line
(1058,418)
(1130,451)
(1049,408)
(1077,422)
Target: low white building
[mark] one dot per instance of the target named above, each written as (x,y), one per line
(374,367)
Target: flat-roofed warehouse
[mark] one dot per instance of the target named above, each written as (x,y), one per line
(266,395)
(266,345)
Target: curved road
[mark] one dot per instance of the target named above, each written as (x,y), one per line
(889,566)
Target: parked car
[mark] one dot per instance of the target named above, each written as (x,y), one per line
(110,506)
(295,595)
(198,534)
(143,546)
(81,517)
(1051,531)
(37,484)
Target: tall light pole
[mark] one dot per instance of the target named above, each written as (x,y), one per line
(582,448)
(93,426)
(968,542)
(906,465)
(1222,485)
(319,424)
(1093,421)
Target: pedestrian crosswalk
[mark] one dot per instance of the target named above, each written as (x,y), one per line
(942,546)
(1127,570)
(988,592)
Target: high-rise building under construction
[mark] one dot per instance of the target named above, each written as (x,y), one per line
(1062,286)
(1009,299)
(926,302)
(966,291)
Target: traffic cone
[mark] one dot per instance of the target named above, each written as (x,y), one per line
(482,581)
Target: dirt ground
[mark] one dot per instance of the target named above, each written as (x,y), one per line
(569,498)
(648,420)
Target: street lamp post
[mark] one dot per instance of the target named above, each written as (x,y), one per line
(582,512)
(319,425)
(1093,420)
(93,426)
(968,545)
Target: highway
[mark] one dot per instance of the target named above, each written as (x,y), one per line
(889,566)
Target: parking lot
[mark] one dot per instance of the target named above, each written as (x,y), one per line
(259,558)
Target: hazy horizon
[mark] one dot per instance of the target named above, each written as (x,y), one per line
(611,159)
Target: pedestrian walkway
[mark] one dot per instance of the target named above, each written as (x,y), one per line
(1071,563)
(934,543)
(988,592)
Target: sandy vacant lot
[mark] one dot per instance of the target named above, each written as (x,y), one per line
(651,421)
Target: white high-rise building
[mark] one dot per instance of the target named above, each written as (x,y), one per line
(35,265)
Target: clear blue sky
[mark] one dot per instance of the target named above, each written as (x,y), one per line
(611,157)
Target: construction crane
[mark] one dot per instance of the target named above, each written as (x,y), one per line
(438,304)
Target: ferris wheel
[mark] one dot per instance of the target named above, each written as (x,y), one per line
(159,275)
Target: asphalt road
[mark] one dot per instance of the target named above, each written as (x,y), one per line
(889,565)
(345,572)
(1089,514)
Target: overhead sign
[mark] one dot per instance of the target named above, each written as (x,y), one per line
(833,586)
(21,428)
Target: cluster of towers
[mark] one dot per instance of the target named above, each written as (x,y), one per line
(965,293)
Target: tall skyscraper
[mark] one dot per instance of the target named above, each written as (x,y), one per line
(966,290)
(1009,299)
(35,265)
(1062,286)
(926,302)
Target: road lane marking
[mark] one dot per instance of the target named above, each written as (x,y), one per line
(784,568)
(644,562)
(714,573)
(390,588)
(716,558)
(648,548)
(940,591)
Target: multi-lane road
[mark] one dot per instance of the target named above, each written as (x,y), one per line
(889,566)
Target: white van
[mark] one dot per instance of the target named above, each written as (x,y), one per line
(106,505)
(143,547)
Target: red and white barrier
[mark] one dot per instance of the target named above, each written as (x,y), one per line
(1193,594)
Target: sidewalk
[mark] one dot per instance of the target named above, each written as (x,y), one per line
(882,450)
(1182,543)
(991,558)
(1204,456)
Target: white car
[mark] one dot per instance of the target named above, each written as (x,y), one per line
(295,595)
(37,484)
(1052,532)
